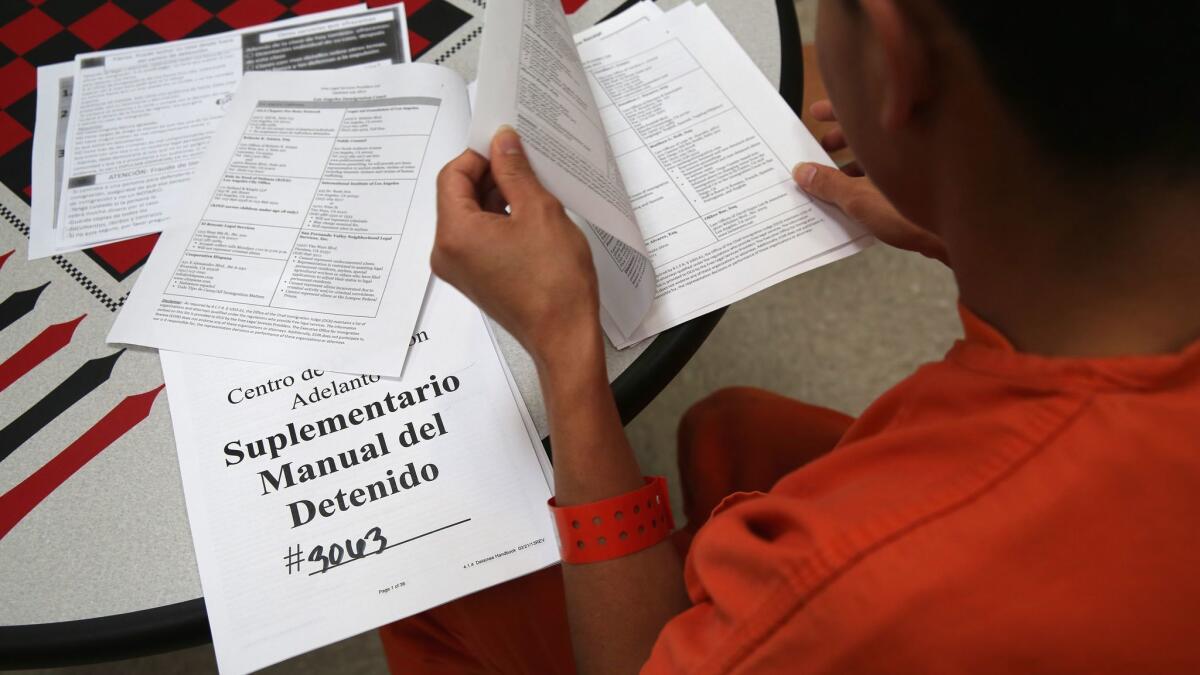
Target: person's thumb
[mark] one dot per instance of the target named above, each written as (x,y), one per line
(825,183)
(511,170)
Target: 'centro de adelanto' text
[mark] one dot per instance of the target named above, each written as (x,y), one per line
(289,474)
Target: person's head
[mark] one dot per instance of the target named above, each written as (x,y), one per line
(1094,93)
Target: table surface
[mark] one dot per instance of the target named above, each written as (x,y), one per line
(110,536)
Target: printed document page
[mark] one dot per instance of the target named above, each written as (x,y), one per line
(141,117)
(638,13)
(531,78)
(323,505)
(623,272)
(306,236)
(705,146)
(55,83)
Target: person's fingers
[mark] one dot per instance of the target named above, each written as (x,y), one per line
(833,140)
(485,184)
(827,184)
(494,202)
(457,182)
(457,205)
(853,169)
(860,200)
(856,197)
(514,176)
(822,111)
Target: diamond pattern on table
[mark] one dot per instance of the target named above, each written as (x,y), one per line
(210,27)
(140,9)
(243,13)
(68,12)
(28,31)
(137,36)
(213,6)
(61,47)
(12,133)
(17,78)
(417,44)
(24,111)
(122,257)
(177,19)
(102,25)
(310,6)
(436,21)
(9,11)
(14,164)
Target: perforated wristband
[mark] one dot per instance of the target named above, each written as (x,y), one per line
(616,526)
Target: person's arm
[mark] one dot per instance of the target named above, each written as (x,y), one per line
(532,271)
(615,608)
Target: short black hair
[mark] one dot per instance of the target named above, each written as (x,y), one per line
(1105,85)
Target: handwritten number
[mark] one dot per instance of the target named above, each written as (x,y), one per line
(376,534)
(337,554)
(317,554)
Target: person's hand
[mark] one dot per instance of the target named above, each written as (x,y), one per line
(857,196)
(531,270)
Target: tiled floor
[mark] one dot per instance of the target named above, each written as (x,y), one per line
(838,337)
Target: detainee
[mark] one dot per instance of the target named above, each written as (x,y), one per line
(1026,504)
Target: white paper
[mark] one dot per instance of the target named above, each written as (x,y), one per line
(681,9)
(530,78)
(700,142)
(142,116)
(55,84)
(54,87)
(705,147)
(307,234)
(624,274)
(638,13)
(476,518)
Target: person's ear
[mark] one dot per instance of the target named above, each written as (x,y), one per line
(905,73)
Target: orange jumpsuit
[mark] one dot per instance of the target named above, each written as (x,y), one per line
(995,512)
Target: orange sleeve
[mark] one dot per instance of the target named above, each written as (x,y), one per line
(745,573)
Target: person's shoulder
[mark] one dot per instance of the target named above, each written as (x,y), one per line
(763,557)
(924,453)
(969,494)
(982,479)
(1069,523)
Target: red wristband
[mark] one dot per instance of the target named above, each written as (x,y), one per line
(614,527)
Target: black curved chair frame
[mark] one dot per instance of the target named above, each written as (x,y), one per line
(185,624)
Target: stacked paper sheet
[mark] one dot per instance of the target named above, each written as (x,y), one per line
(673,151)
(120,132)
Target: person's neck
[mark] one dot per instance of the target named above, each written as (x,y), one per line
(1072,271)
